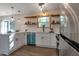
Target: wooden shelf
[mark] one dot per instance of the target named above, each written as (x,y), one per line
(26,23)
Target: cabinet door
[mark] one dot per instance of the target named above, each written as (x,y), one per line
(12,42)
(38,39)
(33,38)
(53,40)
(45,40)
(28,38)
(20,38)
(16,41)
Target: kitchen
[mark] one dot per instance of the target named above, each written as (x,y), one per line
(31,34)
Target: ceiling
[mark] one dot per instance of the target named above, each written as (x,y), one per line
(75,7)
(27,8)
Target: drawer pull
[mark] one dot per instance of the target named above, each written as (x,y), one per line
(16,39)
(42,37)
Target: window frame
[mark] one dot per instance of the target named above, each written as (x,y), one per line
(42,22)
(8,28)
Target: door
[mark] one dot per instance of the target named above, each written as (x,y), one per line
(31,38)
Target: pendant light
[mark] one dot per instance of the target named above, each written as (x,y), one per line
(19,15)
(41,6)
(12,18)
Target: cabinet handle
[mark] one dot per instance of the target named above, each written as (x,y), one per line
(16,39)
(42,37)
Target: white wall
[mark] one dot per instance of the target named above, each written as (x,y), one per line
(70,31)
(20,25)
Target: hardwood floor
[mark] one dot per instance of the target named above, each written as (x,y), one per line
(34,51)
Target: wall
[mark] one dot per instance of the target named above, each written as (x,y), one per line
(56,27)
(20,24)
(70,31)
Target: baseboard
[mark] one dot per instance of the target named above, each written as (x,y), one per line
(3,52)
(46,47)
(31,44)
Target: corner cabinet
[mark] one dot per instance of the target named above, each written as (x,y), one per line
(10,42)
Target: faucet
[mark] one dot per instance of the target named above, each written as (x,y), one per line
(43,28)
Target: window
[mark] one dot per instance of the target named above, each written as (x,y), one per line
(12,26)
(63,20)
(7,26)
(43,21)
(4,27)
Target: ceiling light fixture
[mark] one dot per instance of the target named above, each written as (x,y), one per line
(65,5)
(41,6)
(18,14)
(63,12)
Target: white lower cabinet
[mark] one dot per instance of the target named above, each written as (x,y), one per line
(11,42)
(19,40)
(46,40)
(53,40)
